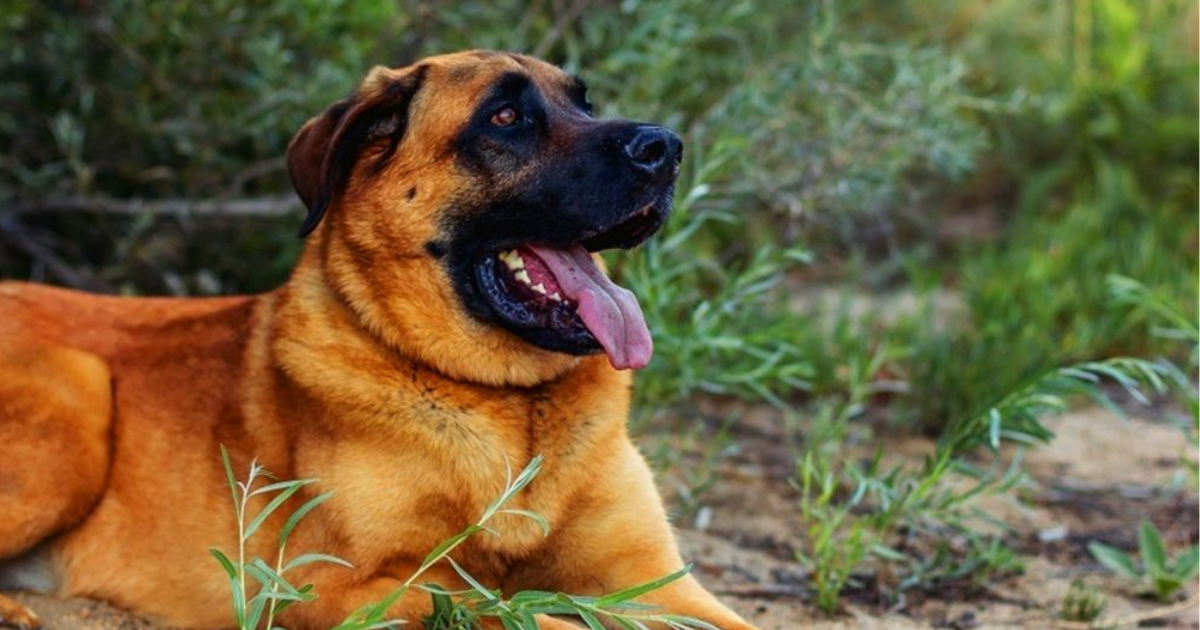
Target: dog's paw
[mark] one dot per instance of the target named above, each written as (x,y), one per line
(14,615)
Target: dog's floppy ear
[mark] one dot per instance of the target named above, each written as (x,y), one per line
(323,154)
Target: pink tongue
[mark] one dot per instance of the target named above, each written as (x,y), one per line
(610,312)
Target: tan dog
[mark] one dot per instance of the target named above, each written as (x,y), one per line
(445,321)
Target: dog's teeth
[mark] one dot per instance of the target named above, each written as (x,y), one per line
(512,259)
(540,288)
(523,277)
(556,296)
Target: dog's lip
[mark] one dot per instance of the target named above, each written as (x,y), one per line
(628,232)
(643,223)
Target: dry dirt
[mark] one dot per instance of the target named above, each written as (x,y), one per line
(1095,482)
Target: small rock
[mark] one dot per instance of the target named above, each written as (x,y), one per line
(1053,534)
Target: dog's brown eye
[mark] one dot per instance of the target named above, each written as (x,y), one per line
(505,117)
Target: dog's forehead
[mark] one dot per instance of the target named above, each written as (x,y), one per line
(471,74)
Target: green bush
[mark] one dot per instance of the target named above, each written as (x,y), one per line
(1106,174)
(168,98)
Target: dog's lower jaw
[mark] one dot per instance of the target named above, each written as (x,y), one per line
(393,298)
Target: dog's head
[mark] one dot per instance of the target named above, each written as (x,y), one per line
(455,205)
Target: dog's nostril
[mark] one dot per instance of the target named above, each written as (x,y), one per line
(648,148)
(651,152)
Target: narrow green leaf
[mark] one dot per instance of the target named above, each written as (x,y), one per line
(530,471)
(450,543)
(226,563)
(1187,564)
(239,611)
(524,599)
(887,553)
(630,624)
(262,516)
(310,558)
(1117,561)
(634,592)
(442,606)
(690,622)
(1150,544)
(470,580)
(592,622)
(300,513)
(257,604)
(528,621)
(534,516)
(268,578)
(280,485)
(994,426)
(229,476)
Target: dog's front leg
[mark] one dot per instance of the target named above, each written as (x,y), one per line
(622,539)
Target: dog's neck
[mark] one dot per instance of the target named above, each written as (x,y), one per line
(390,314)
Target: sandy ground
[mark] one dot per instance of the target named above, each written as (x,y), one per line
(1096,481)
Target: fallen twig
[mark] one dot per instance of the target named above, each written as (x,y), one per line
(255,207)
(252,172)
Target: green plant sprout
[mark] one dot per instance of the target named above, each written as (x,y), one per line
(275,592)
(1156,575)
(1082,603)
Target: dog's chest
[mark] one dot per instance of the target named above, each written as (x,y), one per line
(442,457)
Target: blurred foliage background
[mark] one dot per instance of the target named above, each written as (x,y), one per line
(923,196)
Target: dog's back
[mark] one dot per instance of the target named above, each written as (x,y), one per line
(108,326)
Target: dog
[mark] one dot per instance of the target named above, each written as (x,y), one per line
(448,320)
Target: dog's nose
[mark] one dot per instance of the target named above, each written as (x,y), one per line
(654,150)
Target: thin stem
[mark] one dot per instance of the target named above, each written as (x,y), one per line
(275,587)
(242,545)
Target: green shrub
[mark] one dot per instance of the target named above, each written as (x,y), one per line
(1103,158)
(151,99)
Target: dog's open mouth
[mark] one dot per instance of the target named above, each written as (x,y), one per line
(559,290)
